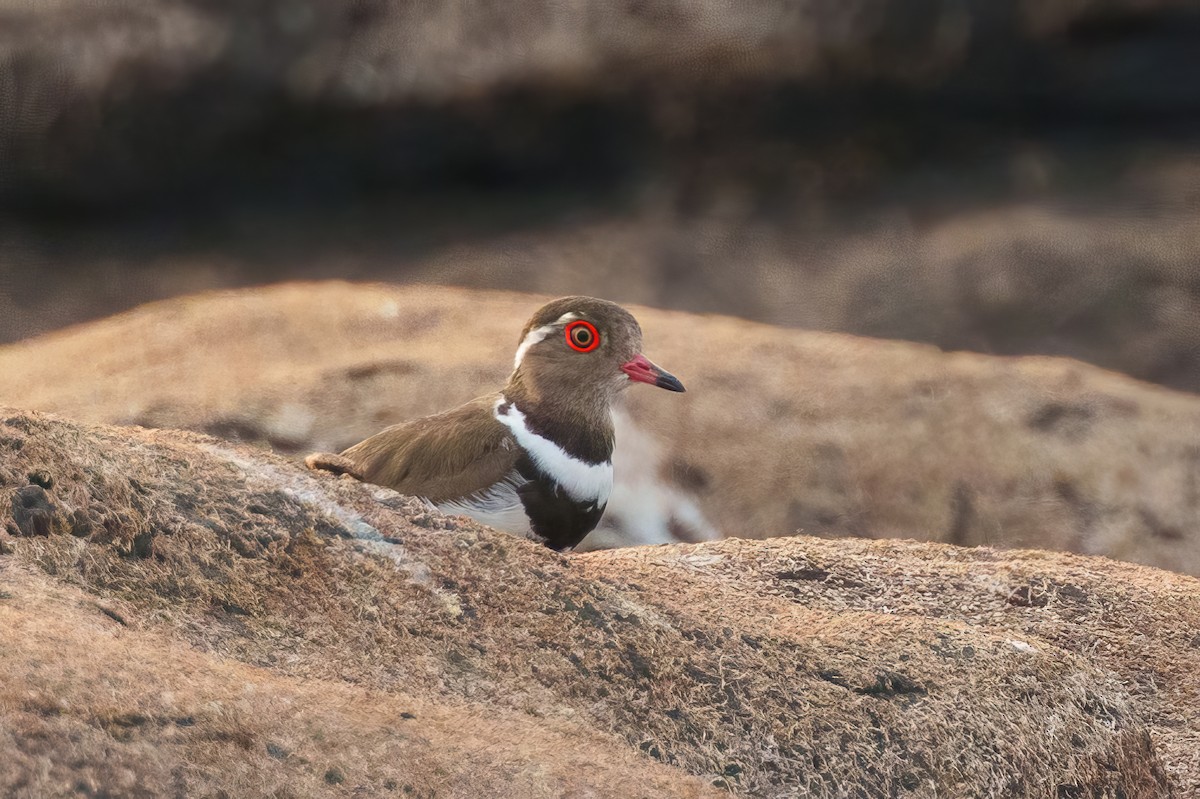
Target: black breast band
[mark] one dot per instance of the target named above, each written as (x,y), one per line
(553,515)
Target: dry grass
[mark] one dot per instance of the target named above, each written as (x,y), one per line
(207,617)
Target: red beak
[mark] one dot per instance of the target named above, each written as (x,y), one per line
(641,370)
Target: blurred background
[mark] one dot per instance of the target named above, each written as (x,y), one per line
(1006,177)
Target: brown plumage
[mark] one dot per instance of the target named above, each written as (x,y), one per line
(535,456)
(439,458)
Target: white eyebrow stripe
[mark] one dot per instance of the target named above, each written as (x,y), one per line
(583,482)
(539,333)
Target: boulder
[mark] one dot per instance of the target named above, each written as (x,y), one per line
(944,172)
(780,430)
(227,622)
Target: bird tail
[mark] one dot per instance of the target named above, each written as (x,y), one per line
(328,462)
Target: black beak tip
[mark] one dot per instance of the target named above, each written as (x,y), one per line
(670,382)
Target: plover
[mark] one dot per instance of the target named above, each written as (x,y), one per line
(534,458)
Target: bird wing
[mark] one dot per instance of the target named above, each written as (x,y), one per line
(440,458)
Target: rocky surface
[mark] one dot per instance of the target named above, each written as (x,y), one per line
(1010,177)
(779,431)
(203,617)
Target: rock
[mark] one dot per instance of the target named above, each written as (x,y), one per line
(297,627)
(855,437)
(676,142)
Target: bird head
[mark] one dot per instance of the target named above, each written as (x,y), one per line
(583,346)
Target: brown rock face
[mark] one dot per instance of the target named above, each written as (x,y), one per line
(944,172)
(276,632)
(780,430)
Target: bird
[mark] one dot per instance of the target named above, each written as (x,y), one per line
(535,457)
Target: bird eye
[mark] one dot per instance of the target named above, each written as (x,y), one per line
(582,336)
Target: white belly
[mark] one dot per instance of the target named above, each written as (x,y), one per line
(498,507)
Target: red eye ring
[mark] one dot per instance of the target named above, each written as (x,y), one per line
(582,336)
